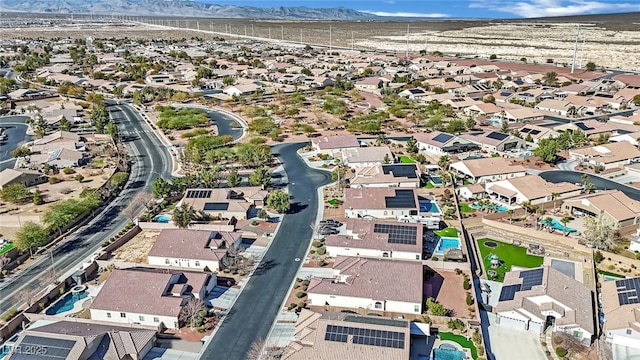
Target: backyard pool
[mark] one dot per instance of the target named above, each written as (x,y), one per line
(447,352)
(496,122)
(498,208)
(558,226)
(66,303)
(428,206)
(446,243)
(436,180)
(164,218)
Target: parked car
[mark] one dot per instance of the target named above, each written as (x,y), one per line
(331,222)
(328,231)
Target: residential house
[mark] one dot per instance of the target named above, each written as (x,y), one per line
(319,336)
(333,145)
(530,188)
(188,248)
(591,128)
(621,311)
(225,203)
(60,158)
(375,239)
(520,115)
(441,143)
(380,203)
(613,204)
(471,192)
(55,141)
(25,177)
(560,107)
(388,286)
(607,156)
(631,138)
(485,109)
(242,89)
(148,297)
(535,299)
(369,84)
(82,339)
(488,169)
(367,156)
(495,141)
(386,175)
(413,94)
(537,133)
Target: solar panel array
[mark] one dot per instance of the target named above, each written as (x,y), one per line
(509,292)
(408,171)
(531,278)
(497,136)
(404,199)
(376,321)
(583,126)
(198,194)
(42,348)
(628,291)
(398,234)
(216,206)
(457,100)
(388,339)
(442,138)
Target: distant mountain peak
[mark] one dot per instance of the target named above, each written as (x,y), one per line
(185,8)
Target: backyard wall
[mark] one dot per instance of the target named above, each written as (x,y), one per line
(122,239)
(447,265)
(155,226)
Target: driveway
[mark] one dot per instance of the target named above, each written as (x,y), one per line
(256,308)
(508,343)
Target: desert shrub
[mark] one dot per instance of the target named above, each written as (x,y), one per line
(321,250)
(560,351)
(300,294)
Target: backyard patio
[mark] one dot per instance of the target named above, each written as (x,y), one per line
(499,257)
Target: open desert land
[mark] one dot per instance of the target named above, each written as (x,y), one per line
(611,41)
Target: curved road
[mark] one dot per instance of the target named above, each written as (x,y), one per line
(150,160)
(16,131)
(557,176)
(223,122)
(255,310)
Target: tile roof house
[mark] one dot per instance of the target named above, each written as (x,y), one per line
(621,309)
(380,203)
(607,156)
(386,175)
(54,141)
(392,286)
(367,156)
(531,188)
(375,239)
(324,336)
(531,299)
(614,204)
(537,132)
(25,177)
(488,169)
(60,158)
(560,107)
(333,145)
(441,143)
(82,339)
(199,249)
(495,141)
(148,297)
(225,203)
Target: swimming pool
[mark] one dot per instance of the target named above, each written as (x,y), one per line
(436,180)
(164,218)
(428,206)
(446,353)
(496,122)
(498,208)
(558,226)
(66,303)
(447,243)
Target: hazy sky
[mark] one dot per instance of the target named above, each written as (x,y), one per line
(459,8)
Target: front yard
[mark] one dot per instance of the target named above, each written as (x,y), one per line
(508,255)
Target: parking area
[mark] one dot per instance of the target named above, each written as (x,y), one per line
(222,297)
(509,343)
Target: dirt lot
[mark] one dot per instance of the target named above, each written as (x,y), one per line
(137,249)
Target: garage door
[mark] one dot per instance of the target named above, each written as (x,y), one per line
(512,323)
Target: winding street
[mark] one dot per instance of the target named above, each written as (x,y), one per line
(256,308)
(150,160)
(16,130)
(600,183)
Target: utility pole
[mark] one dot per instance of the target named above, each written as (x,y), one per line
(282,31)
(330,38)
(584,39)
(575,50)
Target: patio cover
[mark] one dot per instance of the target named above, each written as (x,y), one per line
(502,191)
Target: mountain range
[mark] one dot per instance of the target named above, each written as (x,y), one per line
(179,8)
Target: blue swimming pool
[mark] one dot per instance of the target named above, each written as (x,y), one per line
(447,354)
(436,180)
(447,243)
(66,303)
(428,206)
(498,208)
(165,218)
(558,226)
(495,121)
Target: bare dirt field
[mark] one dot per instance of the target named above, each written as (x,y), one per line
(137,249)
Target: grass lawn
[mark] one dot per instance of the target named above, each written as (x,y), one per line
(603,272)
(465,208)
(406,160)
(509,255)
(447,232)
(6,248)
(429,185)
(460,340)
(98,162)
(467,182)
(334,202)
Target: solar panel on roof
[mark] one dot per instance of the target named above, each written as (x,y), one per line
(51,348)
(404,199)
(398,234)
(505,94)
(390,339)
(198,194)
(216,206)
(534,132)
(509,292)
(628,291)
(408,170)
(442,138)
(583,126)
(497,136)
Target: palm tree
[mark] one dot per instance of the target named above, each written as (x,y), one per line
(183,215)
(526,205)
(554,197)
(539,213)
(584,178)
(444,162)
(589,187)
(510,212)
(548,221)
(565,220)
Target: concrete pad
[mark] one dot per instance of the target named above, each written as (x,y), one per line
(494,295)
(282,334)
(222,297)
(157,353)
(308,272)
(509,343)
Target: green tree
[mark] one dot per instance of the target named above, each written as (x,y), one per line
(528,138)
(20,152)
(636,99)
(211,177)
(64,124)
(591,66)
(118,180)
(279,201)
(565,220)
(253,154)
(601,232)
(183,216)
(504,126)
(14,193)
(493,57)
(160,188)
(112,130)
(435,308)
(260,177)
(79,178)
(547,150)
(456,126)
(262,125)
(550,78)
(338,173)
(37,198)
(41,126)
(412,145)
(31,235)
(233,178)
(443,162)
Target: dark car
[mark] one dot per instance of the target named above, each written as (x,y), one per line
(328,231)
(331,222)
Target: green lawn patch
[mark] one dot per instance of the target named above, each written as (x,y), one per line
(509,255)
(468,182)
(447,232)
(429,185)
(465,208)
(334,202)
(7,248)
(406,160)
(460,340)
(603,272)
(98,162)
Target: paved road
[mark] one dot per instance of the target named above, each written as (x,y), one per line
(255,310)
(151,159)
(16,131)
(556,176)
(223,122)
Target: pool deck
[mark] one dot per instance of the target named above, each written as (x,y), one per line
(438,342)
(78,306)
